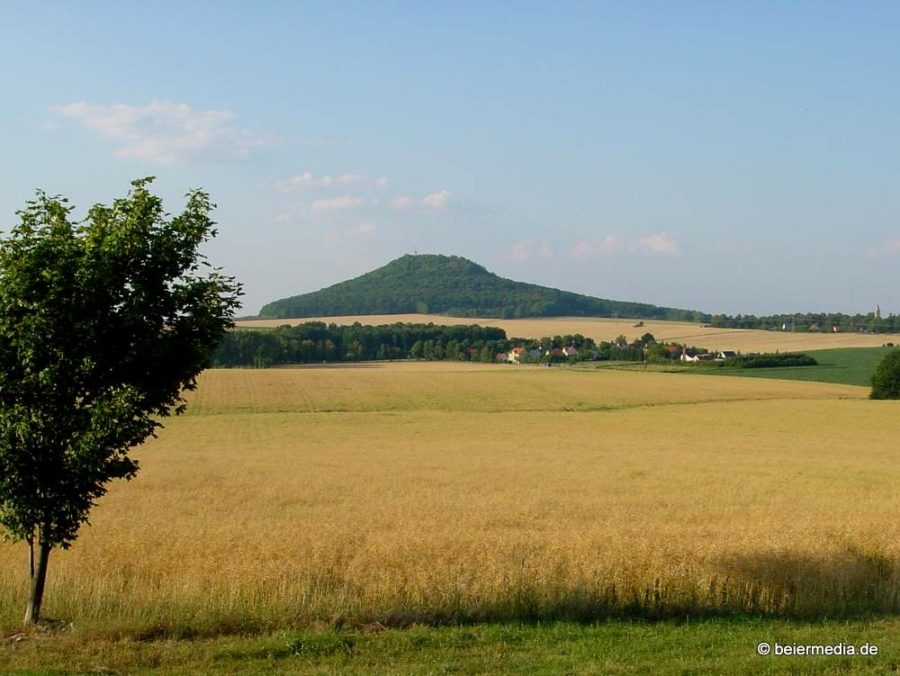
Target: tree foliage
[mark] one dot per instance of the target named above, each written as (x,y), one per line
(103,324)
(768,361)
(811,322)
(886,380)
(316,342)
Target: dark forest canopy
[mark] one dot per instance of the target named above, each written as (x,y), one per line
(317,342)
(454,286)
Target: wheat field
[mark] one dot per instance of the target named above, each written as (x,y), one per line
(397,493)
(740,340)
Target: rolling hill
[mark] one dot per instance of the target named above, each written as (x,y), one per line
(455,286)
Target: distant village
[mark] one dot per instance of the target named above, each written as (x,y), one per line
(673,352)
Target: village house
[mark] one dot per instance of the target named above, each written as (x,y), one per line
(515,354)
(697,357)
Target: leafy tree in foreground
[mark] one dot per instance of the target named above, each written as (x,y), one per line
(103,324)
(886,380)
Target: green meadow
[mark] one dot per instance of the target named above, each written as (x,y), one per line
(845,366)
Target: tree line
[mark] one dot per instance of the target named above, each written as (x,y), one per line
(811,322)
(314,342)
(317,342)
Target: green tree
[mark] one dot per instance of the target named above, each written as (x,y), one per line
(886,380)
(656,353)
(428,350)
(417,351)
(104,323)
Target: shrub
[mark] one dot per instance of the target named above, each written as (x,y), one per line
(886,381)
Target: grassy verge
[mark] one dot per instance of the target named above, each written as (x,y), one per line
(709,647)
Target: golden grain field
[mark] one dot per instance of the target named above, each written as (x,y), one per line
(740,340)
(431,492)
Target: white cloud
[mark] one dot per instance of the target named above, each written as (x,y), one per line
(165,132)
(658,243)
(362,229)
(891,246)
(437,200)
(343,237)
(381,182)
(522,251)
(295,183)
(335,204)
(527,249)
(307,180)
(350,179)
(596,248)
(403,203)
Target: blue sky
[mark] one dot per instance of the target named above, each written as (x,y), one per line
(726,157)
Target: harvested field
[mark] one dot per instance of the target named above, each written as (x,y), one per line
(608,329)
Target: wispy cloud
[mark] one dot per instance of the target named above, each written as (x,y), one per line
(526,249)
(403,203)
(344,203)
(522,251)
(340,237)
(307,180)
(164,133)
(362,230)
(596,248)
(295,182)
(659,243)
(350,179)
(890,247)
(437,200)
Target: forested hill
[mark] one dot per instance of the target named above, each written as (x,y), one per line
(454,286)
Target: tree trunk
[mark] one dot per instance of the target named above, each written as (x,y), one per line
(39,577)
